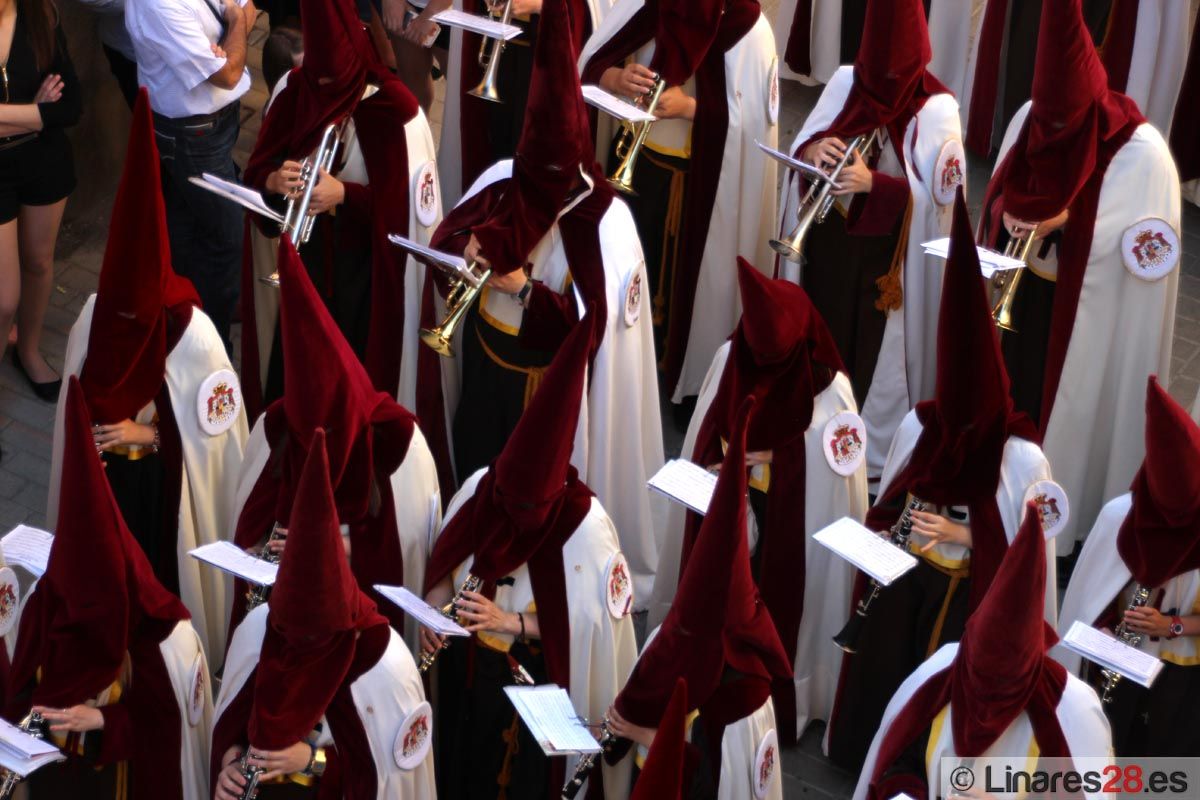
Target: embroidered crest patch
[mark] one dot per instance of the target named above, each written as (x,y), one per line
(844,442)
(633,298)
(414,737)
(618,586)
(10,599)
(425,194)
(1150,248)
(1052,506)
(218,402)
(196,691)
(950,172)
(773,93)
(766,764)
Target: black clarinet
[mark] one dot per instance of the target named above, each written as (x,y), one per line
(587,763)
(257,595)
(450,611)
(847,637)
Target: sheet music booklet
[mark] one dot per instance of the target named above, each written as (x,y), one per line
(244,196)
(551,719)
(228,557)
(867,550)
(615,106)
(685,483)
(28,548)
(23,753)
(421,611)
(1113,654)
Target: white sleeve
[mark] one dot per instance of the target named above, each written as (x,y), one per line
(174,33)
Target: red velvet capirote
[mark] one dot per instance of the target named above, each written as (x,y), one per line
(716,619)
(98,588)
(1000,671)
(138,291)
(555,143)
(316,614)
(1160,537)
(891,83)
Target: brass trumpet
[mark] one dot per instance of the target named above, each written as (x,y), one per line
(35,725)
(1006,281)
(817,202)
(297,222)
(462,294)
(847,638)
(1111,678)
(257,595)
(450,611)
(632,138)
(490,51)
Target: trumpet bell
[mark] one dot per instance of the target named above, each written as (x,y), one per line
(786,248)
(486,90)
(847,637)
(271,280)
(622,181)
(434,338)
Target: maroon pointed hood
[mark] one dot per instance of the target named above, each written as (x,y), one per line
(316,612)
(1160,536)
(555,144)
(1000,671)
(1072,115)
(684,32)
(891,83)
(716,619)
(138,292)
(327,388)
(662,776)
(98,587)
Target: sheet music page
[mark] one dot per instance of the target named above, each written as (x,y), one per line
(1107,651)
(990,262)
(242,195)
(22,753)
(616,106)
(230,558)
(808,170)
(866,550)
(551,719)
(686,483)
(421,611)
(453,263)
(28,548)
(477,24)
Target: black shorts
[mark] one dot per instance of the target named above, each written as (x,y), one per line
(39,172)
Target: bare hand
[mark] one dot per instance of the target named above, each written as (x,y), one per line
(76,719)
(627,730)
(759,457)
(1018,228)
(520,8)
(393,13)
(420,29)
(939,530)
(484,615)
(286,180)
(430,641)
(632,80)
(855,178)
(473,252)
(217,50)
(230,781)
(1149,621)
(277,763)
(824,153)
(329,193)
(510,282)
(50,91)
(122,434)
(674,104)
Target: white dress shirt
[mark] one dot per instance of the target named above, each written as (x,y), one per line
(173,40)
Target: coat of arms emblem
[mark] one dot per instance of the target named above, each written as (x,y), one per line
(845,445)
(766,767)
(1151,248)
(620,594)
(1047,506)
(415,736)
(8,600)
(427,191)
(952,174)
(222,404)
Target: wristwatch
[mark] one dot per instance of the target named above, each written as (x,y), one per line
(1175,629)
(525,290)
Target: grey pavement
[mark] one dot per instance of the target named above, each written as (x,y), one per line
(26,423)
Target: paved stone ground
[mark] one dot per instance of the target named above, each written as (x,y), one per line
(26,424)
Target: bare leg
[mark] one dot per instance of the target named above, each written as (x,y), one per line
(36,234)
(414,65)
(10,279)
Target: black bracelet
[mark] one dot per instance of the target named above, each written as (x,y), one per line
(521,617)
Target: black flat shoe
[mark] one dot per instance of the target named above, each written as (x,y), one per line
(47,391)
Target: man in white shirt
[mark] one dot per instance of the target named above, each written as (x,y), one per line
(191,57)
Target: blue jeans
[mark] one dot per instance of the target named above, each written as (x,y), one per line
(205,230)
